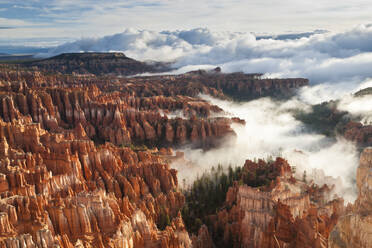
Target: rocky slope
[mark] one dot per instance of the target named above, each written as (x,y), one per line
(354,228)
(359,133)
(283,213)
(116,117)
(60,190)
(238,86)
(74,167)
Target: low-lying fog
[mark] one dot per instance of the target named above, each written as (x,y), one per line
(272,130)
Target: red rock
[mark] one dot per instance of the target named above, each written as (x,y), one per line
(353,228)
(361,134)
(74,171)
(278,215)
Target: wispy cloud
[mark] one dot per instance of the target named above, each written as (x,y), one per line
(77,18)
(14,23)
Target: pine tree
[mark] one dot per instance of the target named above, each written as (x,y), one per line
(304,177)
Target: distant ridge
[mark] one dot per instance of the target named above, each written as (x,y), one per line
(364,92)
(96,63)
(4,57)
(89,55)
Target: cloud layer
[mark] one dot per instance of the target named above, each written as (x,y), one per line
(271,130)
(77,18)
(322,57)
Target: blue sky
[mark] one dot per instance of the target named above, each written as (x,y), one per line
(51,22)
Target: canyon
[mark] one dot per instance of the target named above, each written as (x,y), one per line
(85,161)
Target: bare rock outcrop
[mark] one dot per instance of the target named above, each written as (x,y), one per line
(75,167)
(279,214)
(359,133)
(354,228)
(60,190)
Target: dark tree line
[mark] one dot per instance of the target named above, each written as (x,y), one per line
(324,118)
(207,194)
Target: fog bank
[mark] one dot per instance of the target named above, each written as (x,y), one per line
(272,130)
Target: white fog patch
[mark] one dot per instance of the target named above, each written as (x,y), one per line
(324,92)
(334,163)
(172,114)
(358,107)
(271,130)
(327,91)
(365,84)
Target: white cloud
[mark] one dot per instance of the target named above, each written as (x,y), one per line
(254,15)
(87,18)
(323,58)
(14,23)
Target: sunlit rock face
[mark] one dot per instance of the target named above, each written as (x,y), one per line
(354,228)
(74,167)
(61,190)
(120,118)
(286,213)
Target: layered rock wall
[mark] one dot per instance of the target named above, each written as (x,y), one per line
(60,190)
(354,228)
(279,215)
(74,168)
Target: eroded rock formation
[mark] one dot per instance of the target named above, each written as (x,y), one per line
(359,133)
(283,213)
(118,118)
(354,228)
(74,168)
(62,190)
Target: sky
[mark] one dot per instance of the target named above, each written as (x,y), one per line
(52,22)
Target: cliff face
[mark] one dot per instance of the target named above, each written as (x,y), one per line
(234,85)
(354,228)
(60,190)
(286,213)
(74,168)
(120,119)
(63,185)
(237,85)
(359,133)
